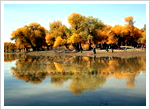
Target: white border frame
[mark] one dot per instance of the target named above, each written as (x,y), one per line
(75,107)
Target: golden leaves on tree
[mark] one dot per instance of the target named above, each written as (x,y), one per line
(83,31)
(57,34)
(30,36)
(128,19)
(75,38)
(75,19)
(10,47)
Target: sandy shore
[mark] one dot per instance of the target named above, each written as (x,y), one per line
(99,53)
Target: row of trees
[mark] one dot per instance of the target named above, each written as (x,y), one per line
(9,47)
(83,30)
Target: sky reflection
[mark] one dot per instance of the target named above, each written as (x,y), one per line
(78,78)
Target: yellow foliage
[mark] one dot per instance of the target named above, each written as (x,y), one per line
(9,47)
(125,29)
(55,25)
(37,32)
(49,37)
(103,34)
(90,37)
(34,25)
(137,32)
(75,38)
(111,38)
(75,18)
(25,30)
(29,35)
(85,46)
(117,29)
(71,47)
(143,38)
(129,18)
(16,33)
(59,41)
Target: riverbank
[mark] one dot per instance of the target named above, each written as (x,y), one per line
(99,53)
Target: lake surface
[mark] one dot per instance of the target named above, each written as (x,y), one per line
(74,81)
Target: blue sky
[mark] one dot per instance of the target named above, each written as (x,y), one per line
(18,15)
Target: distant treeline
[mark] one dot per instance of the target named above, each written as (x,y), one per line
(84,32)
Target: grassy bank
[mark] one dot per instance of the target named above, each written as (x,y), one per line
(99,53)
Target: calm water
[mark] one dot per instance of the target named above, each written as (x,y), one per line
(74,81)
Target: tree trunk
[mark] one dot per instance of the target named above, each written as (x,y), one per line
(100,46)
(48,47)
(80,46)
(76,46)
(90,48)
(66,45)
(34,48)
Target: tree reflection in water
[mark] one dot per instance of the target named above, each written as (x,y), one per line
(86,73)
(11,57)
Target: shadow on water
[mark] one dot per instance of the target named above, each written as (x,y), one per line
(85,73)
